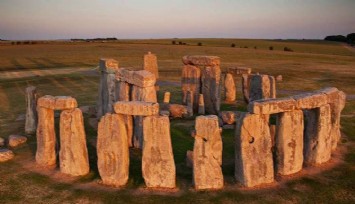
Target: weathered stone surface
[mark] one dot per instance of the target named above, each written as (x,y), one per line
(147,94)
(189,158)
(336,107)
(73,154)
(2,141)
(138,132)
(31,110)
(112,150)
(246,86)
(272,106)
(190,103)
(201,60)
(261,87)
(253,162)
(239,70)
(178,111)
(57,102)
(317,138)
(141,78)
(46,140)
(166,97)
(310,100)
(201,105)
(207,154)
(16,140)
(136,108)
(108,65)
(122,91)
(6,155)
(106,93)
(158,165)
(230,88)
(229,117)
(289,142)
(211,77)
(151,64)
(191,81)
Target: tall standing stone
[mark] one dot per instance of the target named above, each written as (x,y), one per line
(158,165)
(246,86)
(151,64)
(337,104)
(230,88)
(211,76)
(191,81)
(122,91)
(289,142)
(107,86)
(262,87)
(317,138)
(253,156)
(73,155)
(112,150)
(207,154)
(46,140)
(31,112)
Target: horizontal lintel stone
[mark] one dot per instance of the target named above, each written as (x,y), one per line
(138,108)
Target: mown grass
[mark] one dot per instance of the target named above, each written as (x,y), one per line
(300,71)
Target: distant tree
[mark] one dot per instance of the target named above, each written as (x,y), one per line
(255,47)
(287,49)
(337,38)
(180,43)
(351,38)
(271,48)
(13,43)
(184,43)
(232,45)
(199,44)
(245,46)
(173,42)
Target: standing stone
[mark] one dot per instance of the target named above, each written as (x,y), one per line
(253,156)
(289,142)
(201,105)
(207,154)
(122,91)
(191,81)
(190,103)
(128,119)
(211,77)
(246,86)
(46,140)
(151,64)
(138,132)
(262,87)
(158,165)
(166,97)
(73,154)
(31,112)
(107,86)
(230,88)
(336,106)
(146,94)
(317,138)
(112,150)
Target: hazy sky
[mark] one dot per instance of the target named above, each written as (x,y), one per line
(64,19)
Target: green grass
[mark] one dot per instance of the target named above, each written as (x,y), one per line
(330,66)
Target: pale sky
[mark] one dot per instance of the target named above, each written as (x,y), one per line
(125,19)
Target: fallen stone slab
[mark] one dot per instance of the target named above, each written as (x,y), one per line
(57,102)
(317,138)
(73,154)
(158,165)
(112,150)
(178,111)
(253,156)
(272,106)
(6,155)
(16,140)
(2,142)
(207,154)
(136,108)
(289,142)
(141,78)
(201,60)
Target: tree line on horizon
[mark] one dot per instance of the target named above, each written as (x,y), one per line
(350,38)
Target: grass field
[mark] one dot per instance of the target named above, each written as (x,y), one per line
(68,69)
